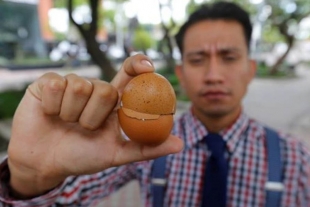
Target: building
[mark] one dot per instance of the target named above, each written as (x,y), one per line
(24,28)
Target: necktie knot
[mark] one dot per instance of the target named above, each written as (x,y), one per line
(215,144)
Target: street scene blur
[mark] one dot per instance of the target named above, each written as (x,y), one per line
(91,38)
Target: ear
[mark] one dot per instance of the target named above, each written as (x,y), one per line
(252,69)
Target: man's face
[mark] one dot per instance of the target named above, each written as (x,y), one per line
(216,68)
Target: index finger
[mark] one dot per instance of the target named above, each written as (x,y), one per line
(132,67)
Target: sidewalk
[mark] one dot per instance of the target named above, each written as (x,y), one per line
(17,79)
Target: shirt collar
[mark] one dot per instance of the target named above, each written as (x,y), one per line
(231,134)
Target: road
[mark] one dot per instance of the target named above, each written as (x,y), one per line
(282,103)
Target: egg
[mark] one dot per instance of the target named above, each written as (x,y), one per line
(148,104)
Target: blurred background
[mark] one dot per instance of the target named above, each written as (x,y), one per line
(92,37)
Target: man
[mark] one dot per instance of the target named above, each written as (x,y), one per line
(66,141)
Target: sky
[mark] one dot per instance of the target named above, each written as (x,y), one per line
(147,11)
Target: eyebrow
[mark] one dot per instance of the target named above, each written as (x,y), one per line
(219,51)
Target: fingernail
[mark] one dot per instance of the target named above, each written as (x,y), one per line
(147,63)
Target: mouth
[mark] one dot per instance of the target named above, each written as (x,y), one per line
(215,95)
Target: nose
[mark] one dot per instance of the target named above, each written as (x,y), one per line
(213,73)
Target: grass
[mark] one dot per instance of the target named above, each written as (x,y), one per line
(9,101)
(32,62)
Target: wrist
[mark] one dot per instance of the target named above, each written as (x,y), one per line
(26,184)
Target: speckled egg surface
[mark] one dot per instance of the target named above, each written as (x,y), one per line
(149,93)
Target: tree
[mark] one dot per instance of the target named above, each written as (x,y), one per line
(285,17)
(142,40)
(89,33)
(166,46)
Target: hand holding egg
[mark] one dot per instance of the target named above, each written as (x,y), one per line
(65,119)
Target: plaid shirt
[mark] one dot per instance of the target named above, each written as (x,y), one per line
(246,151)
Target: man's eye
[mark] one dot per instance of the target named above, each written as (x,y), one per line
(196,60)
(229,58)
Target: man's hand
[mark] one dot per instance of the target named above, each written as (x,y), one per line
(69,126)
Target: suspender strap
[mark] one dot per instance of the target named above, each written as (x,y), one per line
(158,181)
(274,186)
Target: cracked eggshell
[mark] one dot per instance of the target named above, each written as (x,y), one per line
(148,104)
(147,131)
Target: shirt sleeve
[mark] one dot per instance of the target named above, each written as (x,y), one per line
(304,179)
(74,191)
(6,200)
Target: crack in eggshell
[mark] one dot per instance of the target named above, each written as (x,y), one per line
(139,115)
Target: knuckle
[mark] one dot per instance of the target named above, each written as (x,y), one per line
(79,86)
(107,91)
(50,74)
(56,84)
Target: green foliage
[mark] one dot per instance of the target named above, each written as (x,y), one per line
(271,35)
(60,36)
(286,16)
(8,103)
(142,40)
(174,81)
(33,61)
(28,61)
(191,6)
(63,4)
(263,71)
(109,15)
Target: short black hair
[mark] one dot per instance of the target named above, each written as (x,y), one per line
(217,11)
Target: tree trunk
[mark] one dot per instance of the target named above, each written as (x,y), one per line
(170,60)
(89,33)
(107,69)
(275,68)
(168,55)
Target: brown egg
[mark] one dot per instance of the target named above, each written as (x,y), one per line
(148,104)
